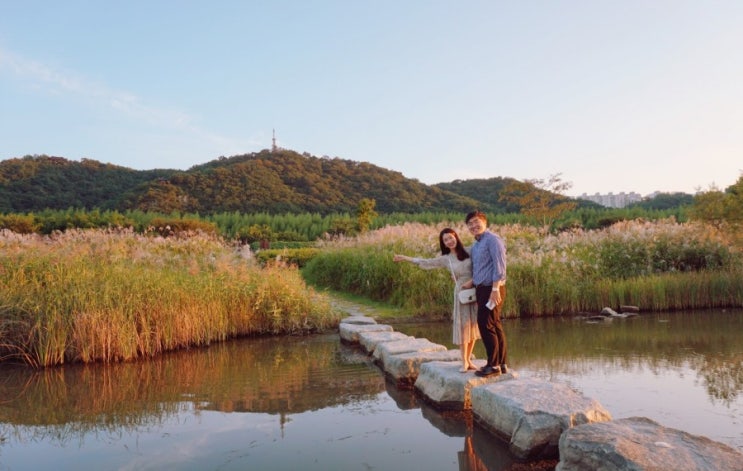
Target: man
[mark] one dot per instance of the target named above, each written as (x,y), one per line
(489,278)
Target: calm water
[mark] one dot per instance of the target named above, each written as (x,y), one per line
(311,403)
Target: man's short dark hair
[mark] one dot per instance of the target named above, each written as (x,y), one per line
(475,214)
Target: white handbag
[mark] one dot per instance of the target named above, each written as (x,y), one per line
(467,296)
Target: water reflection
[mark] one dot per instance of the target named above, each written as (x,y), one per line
(314,403)
(480,449)
(257,375)
(708,344)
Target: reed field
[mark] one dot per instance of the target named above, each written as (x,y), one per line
(105,295)
(115,295)
(657,266)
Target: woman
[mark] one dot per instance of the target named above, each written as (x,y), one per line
(455,259)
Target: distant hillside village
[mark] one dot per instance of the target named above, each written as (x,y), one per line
(619,200)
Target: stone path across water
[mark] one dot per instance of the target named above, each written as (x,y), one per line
(538,418)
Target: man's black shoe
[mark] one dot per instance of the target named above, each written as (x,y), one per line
(503,368)
(487,371)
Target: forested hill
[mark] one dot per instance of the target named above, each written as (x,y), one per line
(35,183)
(486,190)
(274,182)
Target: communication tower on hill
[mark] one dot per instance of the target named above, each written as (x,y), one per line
(273,142)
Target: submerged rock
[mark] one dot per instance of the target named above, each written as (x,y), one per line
(629,309)
(609,312)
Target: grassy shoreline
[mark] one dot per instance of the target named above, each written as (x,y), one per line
(112,295)
(659,266)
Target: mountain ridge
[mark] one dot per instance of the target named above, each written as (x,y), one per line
(266,181)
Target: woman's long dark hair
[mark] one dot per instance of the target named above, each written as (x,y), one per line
(459,249)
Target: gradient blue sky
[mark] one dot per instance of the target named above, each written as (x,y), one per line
(616,96)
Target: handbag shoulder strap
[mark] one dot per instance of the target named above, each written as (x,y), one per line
(451,268)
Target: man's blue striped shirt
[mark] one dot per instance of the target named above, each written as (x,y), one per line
(488,259)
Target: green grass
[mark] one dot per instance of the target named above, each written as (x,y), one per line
(353,304)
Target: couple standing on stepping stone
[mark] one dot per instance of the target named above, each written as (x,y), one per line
(483,267)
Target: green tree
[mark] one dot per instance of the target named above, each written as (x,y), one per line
(665,201)
(365,214)
(540,199)
(163,198)
(720,208)
(256,233)
(341,225)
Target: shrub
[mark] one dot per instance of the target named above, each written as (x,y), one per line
(19,223)
(168,227)
(296,257)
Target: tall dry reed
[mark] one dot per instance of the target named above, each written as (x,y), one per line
(110,295)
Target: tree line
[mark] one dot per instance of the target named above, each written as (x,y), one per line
(293,227)
(285,196)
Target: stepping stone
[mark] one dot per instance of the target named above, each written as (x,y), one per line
(370,340)
(404,368)
(411,344)
(640,443)
(447,388)
(349,333)
(531,414)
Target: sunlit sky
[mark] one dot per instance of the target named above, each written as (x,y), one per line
(616,96)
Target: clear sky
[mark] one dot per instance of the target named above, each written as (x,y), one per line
(630,95)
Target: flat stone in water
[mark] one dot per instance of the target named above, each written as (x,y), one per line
(640,443)
(447,388)
(370,340)
(532,413)
(404,368)
(358,320)
(404,346)
(349,333)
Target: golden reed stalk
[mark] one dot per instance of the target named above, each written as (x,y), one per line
(113,295)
